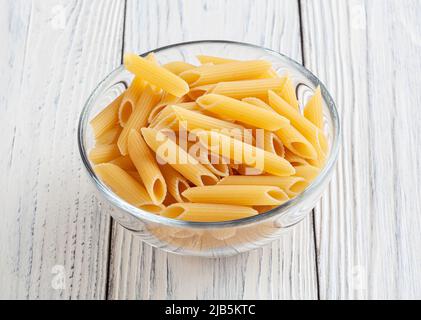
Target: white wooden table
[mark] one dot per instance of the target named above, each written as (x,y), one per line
(362,241)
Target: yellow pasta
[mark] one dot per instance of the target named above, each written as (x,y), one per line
(296,142)
(313,134)
(176,183)
(213,162)
(203,212)
(147,167)
(178,67)
(131,96)
(249,88)
(110,136)
(179,159)
(313,110)
(244,153)
(307,172)
(294,159)
(139,117)
(124,185)
(288,93)
(156,75)
(273,144)
(204,59)
(248,195)
(194,120)
(197,92)
(232,71)
(165,112)
(242,111)
(257,102)
(104,153)
(291,185)
(124,162)
(107,118)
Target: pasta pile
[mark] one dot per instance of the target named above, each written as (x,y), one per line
(220,141)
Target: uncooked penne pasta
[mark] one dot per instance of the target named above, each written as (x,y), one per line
(197,92)
(124,185)
(203,212)
(249,88)
(156,75)
(176,183)
(131,96)
(110,136)
(248,195)
(313,110)
(313,134)
(107,118)
(273,144)
(244,153)
(232,71)
(291,185)
(204,59)
(169,110)
(296,142)
(139,117)
(288,93)
(124,162)
(309,173)
(294,159)
(257,102)
(178,67)
(147,167)
(104,153)
(213,162)
(194,120)
(179,159)
(242,111)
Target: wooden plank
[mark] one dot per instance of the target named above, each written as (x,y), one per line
(368,224)
(285,269)
(52,226)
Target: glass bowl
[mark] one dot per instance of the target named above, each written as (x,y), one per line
(213,239)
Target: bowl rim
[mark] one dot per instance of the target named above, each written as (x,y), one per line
(278,211)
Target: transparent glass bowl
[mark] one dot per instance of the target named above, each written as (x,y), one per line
(214,239)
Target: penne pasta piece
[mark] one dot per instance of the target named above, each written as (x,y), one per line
(179,159)
(257,102)
(139,117)
(204,59)
(193,120)
(273,144)
(124,162)
(169,122)
(249,88)
(313,134)
(294,159)
(104,153)
(308,173)
(313,110)
(166,99)
(197,92)
(156,75)
(244,153)
(248,195)
(242,111)
(202,212)
(263,209)
(176,183)
(107,118)
(178,67)
(131,96)
(122,184)
(288,94)
(291,185)
(213,162)
(136,176)
(147,167)
(110,136)
(296,142)
(168,110)
(232,71)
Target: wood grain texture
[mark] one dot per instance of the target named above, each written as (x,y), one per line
(51,223)
(368,224)
(284,270)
